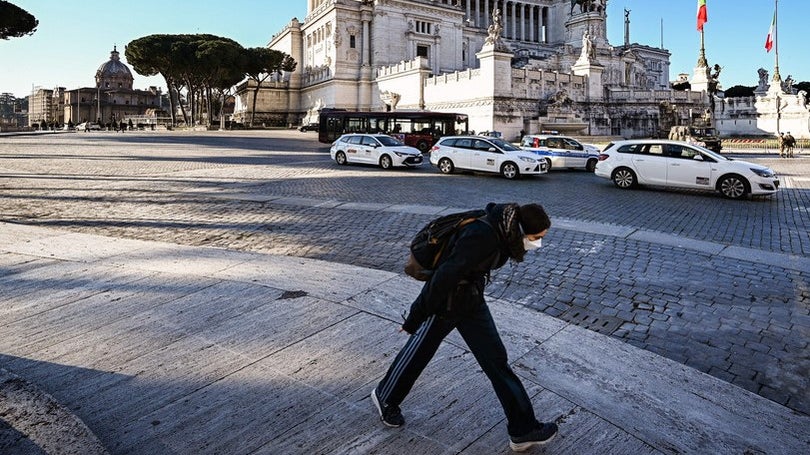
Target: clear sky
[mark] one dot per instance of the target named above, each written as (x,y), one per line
(75,37)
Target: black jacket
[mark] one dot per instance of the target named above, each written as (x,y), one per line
(458,282)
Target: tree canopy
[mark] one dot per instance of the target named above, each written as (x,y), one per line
(15,22)
(203,63)
(738,91)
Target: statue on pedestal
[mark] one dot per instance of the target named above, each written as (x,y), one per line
(587,47)
(763,80)
(494,32)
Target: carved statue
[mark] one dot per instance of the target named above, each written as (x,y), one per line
(390,98)
(802,99)
(763,80)
(787,85)
(587,46)
(586,6)
(495,29)
(716,74)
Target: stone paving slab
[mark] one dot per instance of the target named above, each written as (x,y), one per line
(41,424)
(662,402)
(202,355)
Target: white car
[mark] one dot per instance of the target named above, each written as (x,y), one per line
(484,154)
(682,165)
(379,149)
(88,126)
(561,151)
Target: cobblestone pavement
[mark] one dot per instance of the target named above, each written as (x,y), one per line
(744,321)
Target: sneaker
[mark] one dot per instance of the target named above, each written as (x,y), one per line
(537,437)
(390,415)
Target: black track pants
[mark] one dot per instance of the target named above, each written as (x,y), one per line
(479,332)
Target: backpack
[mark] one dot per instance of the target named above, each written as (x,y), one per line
(429,243)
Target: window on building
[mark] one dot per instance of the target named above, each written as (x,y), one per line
(422,51)
(423,27)
(352,41)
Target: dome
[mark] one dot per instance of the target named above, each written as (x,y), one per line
(113,73)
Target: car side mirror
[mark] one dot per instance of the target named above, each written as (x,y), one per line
(698,157)
(492,149)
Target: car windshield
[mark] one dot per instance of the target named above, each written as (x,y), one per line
(503,145)
(712,154)
(389,141)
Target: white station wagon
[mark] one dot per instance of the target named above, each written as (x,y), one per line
(484,154)
(682,165)
(379,149)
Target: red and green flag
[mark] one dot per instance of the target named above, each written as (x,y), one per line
(769,39)
(702,18)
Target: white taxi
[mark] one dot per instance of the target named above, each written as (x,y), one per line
(682,165)
(561,151)
(378,149)
(484,154)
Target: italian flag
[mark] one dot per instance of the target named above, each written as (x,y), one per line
(769,39)
(702,18)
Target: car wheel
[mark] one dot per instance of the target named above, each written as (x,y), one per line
(340,158)
(385,162)
(624,178)
(590,166)
(733,186)
(510,171)
(446,166)
(423,146)
(548,164)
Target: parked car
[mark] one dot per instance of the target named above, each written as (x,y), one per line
(679,164)
(88,126)
(561,151)
(308,127)
(484,154)
(379,149)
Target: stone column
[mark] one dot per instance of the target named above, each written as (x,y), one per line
(532,23)
(467,5)
(513,28)
(366,41)
(365,89)
(522,21)
(487,14)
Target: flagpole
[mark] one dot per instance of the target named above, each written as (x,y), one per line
(776,75)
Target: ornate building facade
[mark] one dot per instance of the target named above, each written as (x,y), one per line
(112,99)
(510,65)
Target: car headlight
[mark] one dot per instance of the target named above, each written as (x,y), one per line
(527,159)
(767,173)
(401,154)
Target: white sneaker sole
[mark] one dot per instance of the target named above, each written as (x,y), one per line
(524,446)
(376,402)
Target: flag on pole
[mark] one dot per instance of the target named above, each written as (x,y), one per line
(769,39)
(702,18)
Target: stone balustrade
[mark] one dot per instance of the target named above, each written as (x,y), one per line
(403,66)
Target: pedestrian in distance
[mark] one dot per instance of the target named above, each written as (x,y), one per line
(780,141)
(790,142)
(453,298)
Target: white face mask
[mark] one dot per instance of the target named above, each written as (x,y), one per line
(529,245)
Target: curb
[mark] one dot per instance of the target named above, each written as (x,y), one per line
(35,423)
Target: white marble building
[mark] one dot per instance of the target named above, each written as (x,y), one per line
(540,64)
(775,107)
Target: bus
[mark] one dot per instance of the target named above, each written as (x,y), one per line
(418,129)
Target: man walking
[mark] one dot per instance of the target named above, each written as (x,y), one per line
(790,142)
(780,141)
(453,298)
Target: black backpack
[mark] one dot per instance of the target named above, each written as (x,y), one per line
(429,243)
